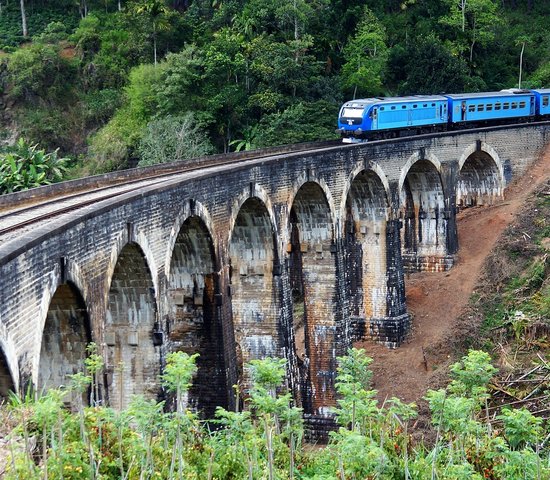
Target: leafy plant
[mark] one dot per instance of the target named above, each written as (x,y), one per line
(25,166)
(521,428)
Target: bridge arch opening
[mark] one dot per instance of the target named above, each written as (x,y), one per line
(479,181)
(193,325)
(254,296)
(425,225)
(65,337)
(312,271)
(365,233)
(133,354)
(6,381)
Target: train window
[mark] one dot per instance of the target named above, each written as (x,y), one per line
(505,105)
(415,106)
(403,106)
(393,107)
(381,108)
(545,101)
(425,105)
(498,106)
(480,107)
(514,104)
(352,112)
(433,104)
(471,108)
(521,104)
(489,107)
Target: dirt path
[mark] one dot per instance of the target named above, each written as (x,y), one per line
(436,300)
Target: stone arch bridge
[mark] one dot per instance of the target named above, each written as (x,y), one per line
(293,256)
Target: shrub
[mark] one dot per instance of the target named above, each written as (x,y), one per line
(173,138)
(39,71)
(25,166)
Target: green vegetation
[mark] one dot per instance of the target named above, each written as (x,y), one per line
(98,78)
(25,166)
(510,309)
(265,439)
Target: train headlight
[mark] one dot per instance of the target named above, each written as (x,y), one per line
(359,131)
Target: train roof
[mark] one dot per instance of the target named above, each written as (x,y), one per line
(541,91)
(363,102)
(502,93)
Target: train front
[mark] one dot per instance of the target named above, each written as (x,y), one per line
(355,120)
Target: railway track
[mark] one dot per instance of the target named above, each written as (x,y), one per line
(29,208)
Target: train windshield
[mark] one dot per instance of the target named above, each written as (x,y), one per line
(352,112)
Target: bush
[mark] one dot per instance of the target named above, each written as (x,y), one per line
(53,33)
(49,126)
(264,440)
(303,122)
(25,166)
(116,142)
(173,138)
(39,71)
(100,105)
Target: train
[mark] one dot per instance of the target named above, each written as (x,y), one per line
(390,117)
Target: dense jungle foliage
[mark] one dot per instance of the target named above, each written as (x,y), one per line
(264,440)
(115,82)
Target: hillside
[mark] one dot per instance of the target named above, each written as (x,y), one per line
(496,298)
(116,82)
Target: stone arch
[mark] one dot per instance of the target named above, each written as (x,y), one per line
(489,150)
(7,383)
(65,336)
(193,323)
(255,299)
(133,353)
(134,236)
(256,191)
(361,167)
(191,208)
(424,236)
(480,179)
(367,212)
(415,157)
(312,272)
(327,197)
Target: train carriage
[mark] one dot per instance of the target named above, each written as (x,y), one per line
(365,118)
(490,106)
(542,101)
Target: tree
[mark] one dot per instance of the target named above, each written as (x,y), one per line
(23,18)
(365,57)
(158,14)
(426,66)
(475,21)
(39,71)
(170,138)
(286,127)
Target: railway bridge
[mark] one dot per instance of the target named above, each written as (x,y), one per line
(292,254)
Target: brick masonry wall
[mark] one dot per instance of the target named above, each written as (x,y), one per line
(83,248)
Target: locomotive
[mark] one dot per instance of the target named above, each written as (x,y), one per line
(390,117)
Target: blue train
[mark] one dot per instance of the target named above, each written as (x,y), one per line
(390,117)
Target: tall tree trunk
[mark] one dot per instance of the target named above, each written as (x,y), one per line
(155,43)
(23,18)
(119,6)
(521,63)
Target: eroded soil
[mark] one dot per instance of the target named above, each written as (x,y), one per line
(438,300)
